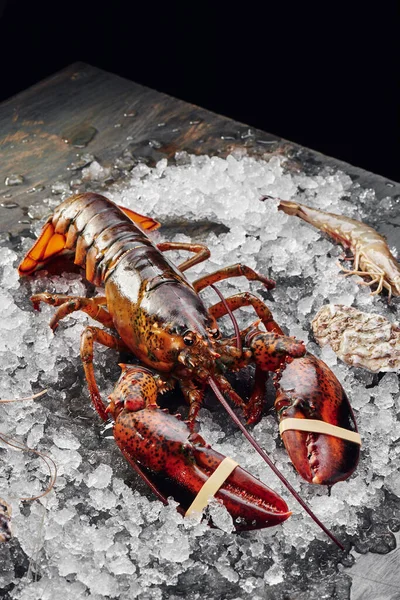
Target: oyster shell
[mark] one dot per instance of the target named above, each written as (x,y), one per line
(359,339)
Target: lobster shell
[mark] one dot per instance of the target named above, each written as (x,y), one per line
(307,389)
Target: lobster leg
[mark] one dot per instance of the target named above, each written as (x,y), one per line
(89,336)
(275,348)
(254,407)
(237,270)
(246,299)
(194,396)
(202,253)
(270,351)
(5,521)
(226,388)
(69,304)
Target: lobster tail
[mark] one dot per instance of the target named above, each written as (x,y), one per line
(48,245)
(92,227)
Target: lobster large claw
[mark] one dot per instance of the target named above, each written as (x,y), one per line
(307,389)
(165,446)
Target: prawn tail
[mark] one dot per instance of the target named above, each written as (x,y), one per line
(313,216)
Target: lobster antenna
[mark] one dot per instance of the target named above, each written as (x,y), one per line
(233,319)
(213,384)
(5,401)
(47,459)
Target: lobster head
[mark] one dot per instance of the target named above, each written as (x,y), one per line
(199,355)
(182,336)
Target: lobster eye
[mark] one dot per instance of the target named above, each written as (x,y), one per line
(188,338)
(215,334)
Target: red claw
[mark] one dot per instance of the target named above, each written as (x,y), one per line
(161,443)
(307,389)
(246,498)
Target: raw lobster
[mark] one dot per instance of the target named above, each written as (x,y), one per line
(160,319)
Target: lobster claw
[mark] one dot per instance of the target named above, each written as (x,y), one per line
(164,446)
(307,389)
(251,503)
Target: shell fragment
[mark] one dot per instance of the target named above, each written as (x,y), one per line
(359,339)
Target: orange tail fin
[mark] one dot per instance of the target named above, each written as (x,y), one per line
(47,245)
(146,223)
(51,244)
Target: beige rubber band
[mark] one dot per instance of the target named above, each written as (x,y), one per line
(316,426)
(212,485)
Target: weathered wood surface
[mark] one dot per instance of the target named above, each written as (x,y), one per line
(33,125)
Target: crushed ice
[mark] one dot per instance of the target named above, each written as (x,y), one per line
(95,534)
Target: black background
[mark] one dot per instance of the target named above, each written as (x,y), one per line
(324,75)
